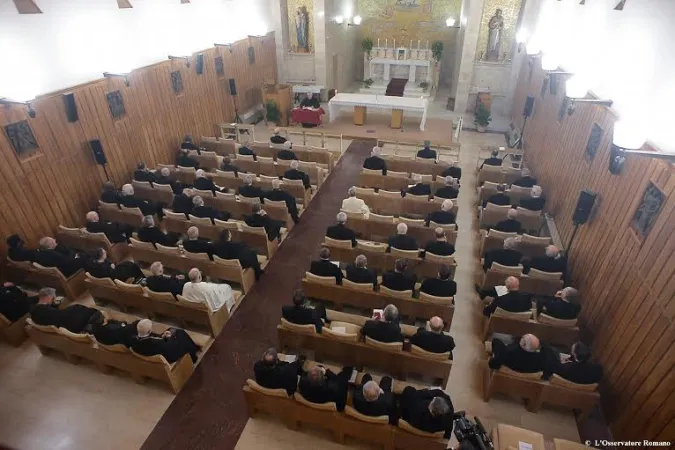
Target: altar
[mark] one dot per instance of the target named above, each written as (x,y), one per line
(416,65)
(412,68)
(361,102)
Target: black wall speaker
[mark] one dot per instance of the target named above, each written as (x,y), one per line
(71,107)
(584,207)
(529,104)
(97,150)
(233,87)
(200,64)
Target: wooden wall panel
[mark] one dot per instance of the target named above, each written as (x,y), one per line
(627,284)
(61,182)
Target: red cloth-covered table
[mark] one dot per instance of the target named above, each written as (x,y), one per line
(301,115)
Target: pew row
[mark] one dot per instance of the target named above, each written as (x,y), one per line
(381,228)
(491,215)
(546,328)
(14,333)
(530,246)
(390,202)
(80,239)
(535,283)
(240,207)
(32,273)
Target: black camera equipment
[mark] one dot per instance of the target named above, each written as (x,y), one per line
(474,432)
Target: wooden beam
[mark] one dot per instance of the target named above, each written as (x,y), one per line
(27,7)
(124,4)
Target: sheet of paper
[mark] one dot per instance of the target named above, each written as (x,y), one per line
(290,358)
(524,446)
(433,388)
(501,290)
(377,314)
(352,379)
(341,330)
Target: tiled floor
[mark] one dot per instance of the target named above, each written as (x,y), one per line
(46,402)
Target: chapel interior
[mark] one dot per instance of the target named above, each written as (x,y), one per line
(332,224)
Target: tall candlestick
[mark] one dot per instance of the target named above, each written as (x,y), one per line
(378,42)
(386,43)
(394,43)
(418,44)
(427,45)
(410,44)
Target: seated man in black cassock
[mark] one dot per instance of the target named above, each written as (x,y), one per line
(259,218)
(250,191)
(226,249)
(442,286)
(552,261)
(511,224)
(401,240)
(432,338)
(109,194)
(173,344)
(428,410)
(199,210)
(15,302)
(340,231)
(184,159)
(301,312)
(310,101)
(188,144)
(386,329)
(246,151)
(115,232)
(51,255)
(439,247)
(453,171)
(129,200)
(525,180)
(500,198)
(320,385)
(450,190)
(227,166)
(271,373)
(277,138)
(524,355)
(16,250)
(73,318)
(360,273)
(109,331)
(577,367)
(286,154)
(194,244)
(150,233)
(427,152)
(443,217)
(100,266)
(507,256)
(182,203)
(143,173)
(419,188)
(203,183)
(566,304)
(159,282)
(493,160)
(375,162)
(278,195)
(513,301)
(397,279)
(371,399)
(535,202)
(164,179)
(294,174)
(324,268)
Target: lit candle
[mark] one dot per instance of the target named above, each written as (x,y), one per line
(378,42)
(394,43)
(410,44)
(418,44)
(386,43)
(427,45)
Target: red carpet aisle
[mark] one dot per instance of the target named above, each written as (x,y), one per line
(210,411)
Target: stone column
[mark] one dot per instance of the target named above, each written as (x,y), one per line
(320,63)
(280,26)
(411,77)
(473,12)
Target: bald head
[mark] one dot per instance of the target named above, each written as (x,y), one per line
(47,243)
(200,174)
(295,164)
(270,357)
(157,268)
(552,251)
(193,233)
(401,228)
(277,131)
(436,324)
(536,191)
(127,189)
(165,172)
(446,205)
(92,216)
(512,213)
(376,151)
(248,180)
(144,327)
(371,391)
(195,275)
(512,284)
(530,343)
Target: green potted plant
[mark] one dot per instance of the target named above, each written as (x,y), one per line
(273,113)
(367,83)
(367,45)
(482,118)
(424,85)
(437,51)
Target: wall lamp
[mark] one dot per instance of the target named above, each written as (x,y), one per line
(450,23)
(229,46)
(121,75)
(339,20)
(184,58)
(576,91)
(357,22)
(521,38)
(31,111)
(588,101)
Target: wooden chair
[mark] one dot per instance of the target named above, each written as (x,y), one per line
(399,294)
(199,220)
(371,246)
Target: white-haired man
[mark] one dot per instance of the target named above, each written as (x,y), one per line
(203,211)
(375,400)
(401,240)
(552,261)
(565,305)
(513,301)
(227,166)
(214,295)
(360,273)
(506,256)
(432,339)
(164,178)
(295,174)
(511,223)
(172,344)
(150,233)
(244,150)
(49,254)
(525,179)
(419,188)
(428,410)
(535,202)
(523,356)
(277,138)
(203,183)
(354,205)
(159,282)
(249,190)
(195,244)
(286,154)
(115,232)
(386,329)
(450,190)
(453,171)
(375,162)
(279,195)
(129,200)
(340,231)
(443,217)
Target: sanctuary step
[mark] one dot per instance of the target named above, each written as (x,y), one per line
(380,88)
(396,87)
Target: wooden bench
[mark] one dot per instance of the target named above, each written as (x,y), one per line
(412,308)
(554,331)
(350,351)
(14,333)
(153,192)
(229,270)
(545,284)
(240,207)
(531,246)
(156,303)
(112,212)
(498,174)
(308,154)
(72,287)
(375,230)
(83,346)
(268,167)
(80,239)
(506,437)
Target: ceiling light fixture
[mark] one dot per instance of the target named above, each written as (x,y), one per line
(339,20)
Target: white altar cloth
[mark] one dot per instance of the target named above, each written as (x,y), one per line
(379,102)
